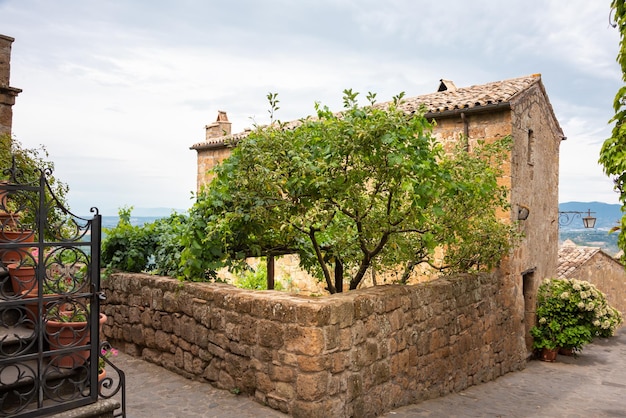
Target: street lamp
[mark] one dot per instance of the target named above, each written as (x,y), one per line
(567,217)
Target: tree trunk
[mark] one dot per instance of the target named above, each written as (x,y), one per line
(270,272)
(338,275)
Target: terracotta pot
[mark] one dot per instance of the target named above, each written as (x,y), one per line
(69,334)
(23,278)
(566,351)
(102,375)
(15,256)
(548,354)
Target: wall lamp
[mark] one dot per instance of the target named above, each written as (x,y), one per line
(567,217)
(522,212)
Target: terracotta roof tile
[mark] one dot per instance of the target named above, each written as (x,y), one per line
(471,97)
(571,257)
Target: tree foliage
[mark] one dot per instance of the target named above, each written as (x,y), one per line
(613,152)
(366,188)
(29,162)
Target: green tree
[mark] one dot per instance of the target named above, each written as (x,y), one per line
(369,187)
(613,152)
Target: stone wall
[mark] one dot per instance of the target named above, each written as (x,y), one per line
(359,353)
(7,93)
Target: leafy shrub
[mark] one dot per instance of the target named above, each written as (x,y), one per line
(127,247)
(153,247)
(570,313)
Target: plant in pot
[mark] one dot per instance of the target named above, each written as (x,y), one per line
(67,326)
(544,335)
(570,313)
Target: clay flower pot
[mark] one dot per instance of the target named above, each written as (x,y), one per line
(6,236)
(548,354)
(23,278)
(70,334)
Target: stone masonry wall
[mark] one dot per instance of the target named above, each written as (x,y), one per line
(7,93)
(356,354)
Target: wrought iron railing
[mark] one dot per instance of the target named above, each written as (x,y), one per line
(50,320)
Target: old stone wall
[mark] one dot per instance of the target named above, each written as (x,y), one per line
(207,160)
(359,353)
(7,93)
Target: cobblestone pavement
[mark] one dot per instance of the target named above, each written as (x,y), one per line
(590,385)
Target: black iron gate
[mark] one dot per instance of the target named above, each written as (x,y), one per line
(51,358)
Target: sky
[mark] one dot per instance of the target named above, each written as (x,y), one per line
(118,90)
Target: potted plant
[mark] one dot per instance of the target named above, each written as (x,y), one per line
(570,313)
(67,326)
(545,340)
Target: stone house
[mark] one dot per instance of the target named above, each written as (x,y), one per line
(518,107)
(7,93)
(595,266)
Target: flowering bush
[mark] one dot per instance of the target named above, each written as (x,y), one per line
(570,313)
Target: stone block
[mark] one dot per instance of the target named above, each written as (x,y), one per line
(312,386)
(285,390)
(156,299)
(188,328)
(310,313)
(276,401)
(149,337)
(264,383)
(281,373)
(270,334)
(332,337)
(326,409)
(304,340)
(170,302)
(313,363)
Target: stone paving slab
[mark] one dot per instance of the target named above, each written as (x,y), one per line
(593,384)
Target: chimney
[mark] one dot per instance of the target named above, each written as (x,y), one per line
(7,93)
(446,85)
(219,128)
